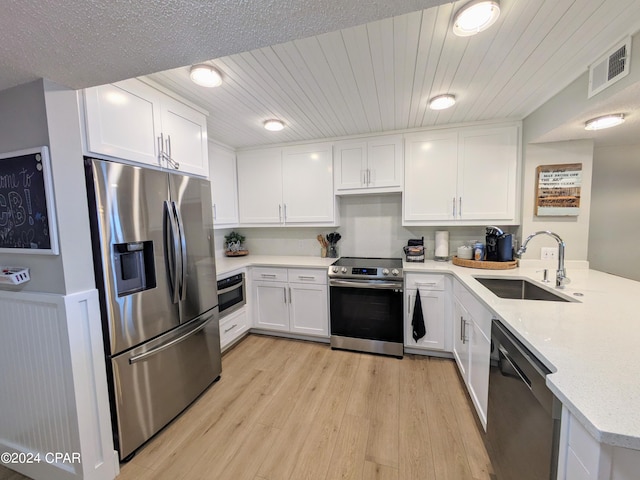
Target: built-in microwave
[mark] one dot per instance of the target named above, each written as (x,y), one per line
(231,294)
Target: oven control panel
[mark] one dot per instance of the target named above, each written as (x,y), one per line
(364,271)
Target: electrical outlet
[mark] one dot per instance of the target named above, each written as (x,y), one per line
(548,253)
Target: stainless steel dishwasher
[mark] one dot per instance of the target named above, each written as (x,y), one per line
(523,419)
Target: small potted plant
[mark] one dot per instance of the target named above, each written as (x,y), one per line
(233,243)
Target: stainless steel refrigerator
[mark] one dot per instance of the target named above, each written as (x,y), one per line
(152,235)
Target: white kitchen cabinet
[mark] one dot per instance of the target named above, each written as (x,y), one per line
(472,347)
(270,306)
(465,176)
(373,165)
(131,120)
(582,457)
(185,131)
(232,327)
(291,300)
(286,186)
(433,298)
(224,185)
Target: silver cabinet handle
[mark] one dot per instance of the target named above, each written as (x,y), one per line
(409,304)
(460,208)
(268,275)
(280,213)
(160,151)
(427,284)
(289,294)
(284,291)
(306,277)
(464,331)
(364,177)
(454,207)
(215,212)
(285,212)
(231,328)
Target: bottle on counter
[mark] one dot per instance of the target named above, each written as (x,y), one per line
(478,251)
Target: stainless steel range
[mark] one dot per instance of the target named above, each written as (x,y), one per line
(366,305)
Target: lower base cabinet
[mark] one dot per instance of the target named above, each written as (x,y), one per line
(582,457)
(232,327)
(433,301)
(472,347)
(291,300)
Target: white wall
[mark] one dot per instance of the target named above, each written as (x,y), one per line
(615,211)
(573,230)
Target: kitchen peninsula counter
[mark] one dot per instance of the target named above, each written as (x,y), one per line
(591,346)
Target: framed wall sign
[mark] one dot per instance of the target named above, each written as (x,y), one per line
(27,212)
(558,189)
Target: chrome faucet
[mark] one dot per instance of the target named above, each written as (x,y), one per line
(561,273)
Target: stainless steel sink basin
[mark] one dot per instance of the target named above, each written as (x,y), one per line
(519,288)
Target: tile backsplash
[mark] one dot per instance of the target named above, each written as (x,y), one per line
(370,225)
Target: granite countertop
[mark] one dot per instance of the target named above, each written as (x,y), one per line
(590,346)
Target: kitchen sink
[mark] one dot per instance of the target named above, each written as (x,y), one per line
(519,288)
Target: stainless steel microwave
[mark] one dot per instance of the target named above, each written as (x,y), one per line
(232,294)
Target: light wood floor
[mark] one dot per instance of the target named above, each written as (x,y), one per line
(292,410)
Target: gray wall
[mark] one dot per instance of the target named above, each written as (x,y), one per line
(615,211)
(23,124)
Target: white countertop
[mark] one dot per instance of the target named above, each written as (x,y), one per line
(592,347)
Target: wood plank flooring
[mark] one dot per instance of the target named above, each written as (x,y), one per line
(293,410)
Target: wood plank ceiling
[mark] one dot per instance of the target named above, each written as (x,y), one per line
(378,76)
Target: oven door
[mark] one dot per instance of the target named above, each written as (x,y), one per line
(370,310)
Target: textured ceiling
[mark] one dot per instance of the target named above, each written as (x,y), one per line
(80,43)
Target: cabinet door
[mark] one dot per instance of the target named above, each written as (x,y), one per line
(271,307)
(123,121)
(430,177)
(308,308)
(224,185)
(433,311)
(260,186)
(487,175)
(307,184)
(480,352)
(186,131)
(384,161)
(461,338)
(350,166)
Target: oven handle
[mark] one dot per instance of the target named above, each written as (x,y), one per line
(365,284)
(235,286)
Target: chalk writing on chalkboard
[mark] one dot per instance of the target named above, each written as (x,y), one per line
(27,216)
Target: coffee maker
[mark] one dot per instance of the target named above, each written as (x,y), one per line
(499,245)
(491,243)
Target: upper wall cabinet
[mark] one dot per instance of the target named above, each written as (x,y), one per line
(133,121)
(224,185)
(369,166)
(286,186)
(466,176)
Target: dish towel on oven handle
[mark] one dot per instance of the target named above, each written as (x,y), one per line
(417,321)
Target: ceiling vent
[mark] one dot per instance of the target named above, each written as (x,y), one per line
(610,68)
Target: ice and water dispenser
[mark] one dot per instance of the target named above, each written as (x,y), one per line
(134,266)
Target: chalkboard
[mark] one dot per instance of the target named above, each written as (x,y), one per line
(27,214)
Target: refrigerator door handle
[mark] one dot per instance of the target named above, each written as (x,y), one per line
(172,245)
(182,258)
(175,341)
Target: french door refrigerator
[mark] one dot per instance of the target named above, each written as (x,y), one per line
(154,262)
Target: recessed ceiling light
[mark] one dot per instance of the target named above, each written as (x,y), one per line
(274,125)
(205,76)
(605,121)
(475,17)
(442,101)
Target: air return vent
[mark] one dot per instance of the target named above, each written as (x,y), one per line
(609,68)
